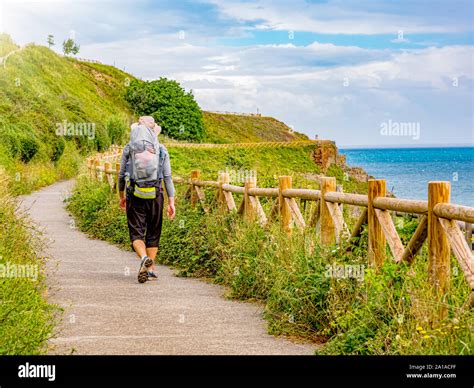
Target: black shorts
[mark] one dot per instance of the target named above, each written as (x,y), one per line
(145,219)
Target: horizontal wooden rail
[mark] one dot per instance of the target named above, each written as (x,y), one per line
(347,198)
(454,212)
(307,194)
(178,180)
(401,205)
(261,192)
(200,183)
(233,189)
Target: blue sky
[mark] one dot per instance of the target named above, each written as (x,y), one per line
(339,69)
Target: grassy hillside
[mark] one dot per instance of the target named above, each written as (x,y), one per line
(6,45)
(229,128)
(40,90)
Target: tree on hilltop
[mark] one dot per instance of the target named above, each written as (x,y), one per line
(50,40)
(70,47)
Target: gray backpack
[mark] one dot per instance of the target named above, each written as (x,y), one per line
(144,154)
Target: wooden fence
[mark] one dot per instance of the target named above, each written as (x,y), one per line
(438,218)
(263,144)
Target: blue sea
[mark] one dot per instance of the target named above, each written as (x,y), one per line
(408,170)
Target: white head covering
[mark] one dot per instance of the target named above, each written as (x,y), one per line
(149,122)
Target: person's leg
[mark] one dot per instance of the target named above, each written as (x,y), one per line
(151,253)
(154,224)
(136,219)
(140,249)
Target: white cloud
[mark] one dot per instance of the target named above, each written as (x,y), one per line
(334,17)
(286,82)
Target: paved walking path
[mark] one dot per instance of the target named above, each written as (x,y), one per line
(108,312)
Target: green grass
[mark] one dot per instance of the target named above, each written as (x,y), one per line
(27,320)
(266,161)
(6,45)
(227,128)
(38,90)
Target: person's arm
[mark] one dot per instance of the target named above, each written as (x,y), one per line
(121,176)
(169,186)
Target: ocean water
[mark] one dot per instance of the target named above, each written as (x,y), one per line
(408,170)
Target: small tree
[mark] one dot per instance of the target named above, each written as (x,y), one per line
(70,47)
(50,40)
(172,107)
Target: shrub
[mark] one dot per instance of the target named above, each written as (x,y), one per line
(29,146)
(172,107)
(57,147)
(116,129)
(101,140)
(10,140)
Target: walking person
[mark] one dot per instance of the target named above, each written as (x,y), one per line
(145,166)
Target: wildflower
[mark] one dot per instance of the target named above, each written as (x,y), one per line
(456,327)
(422,331)
(419,328)
(426,336)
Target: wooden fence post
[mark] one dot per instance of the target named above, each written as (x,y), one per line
(195,175)
(108,167)
(89,167)
(117,169)
(284,182)
(101,173)
(438,246)
(223,179)
(377,241)
(328,228)
(249,209)
(340,189)
(468,234)
(95,164)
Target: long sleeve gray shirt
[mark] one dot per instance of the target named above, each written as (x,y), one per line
(125,168)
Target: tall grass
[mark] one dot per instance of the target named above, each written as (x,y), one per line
(26,318)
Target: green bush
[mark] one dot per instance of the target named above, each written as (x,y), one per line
(29,146)
(172,107)
(57,148)
(102,139)
(10,140)
(116,129)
